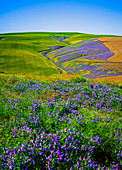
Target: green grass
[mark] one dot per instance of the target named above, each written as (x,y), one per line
(19,53)
(80,37)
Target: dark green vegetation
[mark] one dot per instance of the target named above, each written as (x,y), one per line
(59,125)
(19,52)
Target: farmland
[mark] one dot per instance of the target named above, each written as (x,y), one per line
(89,57)
(19,54)
(60,102)
(115,45)
(45,54)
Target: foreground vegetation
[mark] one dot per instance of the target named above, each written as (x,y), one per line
(71,124)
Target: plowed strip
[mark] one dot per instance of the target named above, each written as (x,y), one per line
(115,45)
(111,78)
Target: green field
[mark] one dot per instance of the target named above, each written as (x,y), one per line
(19,51)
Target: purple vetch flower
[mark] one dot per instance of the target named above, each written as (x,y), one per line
(88,154)
(78,164)
(91,165)
(68,159)
(31,141)
(8,160)
(3,123)
(29,153)
(40,153)
(86,148)
(37,136)
(84,159)
(91,140)
(83,146)
(11,166)
(89,161)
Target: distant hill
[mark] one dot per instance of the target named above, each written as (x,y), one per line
(47,53)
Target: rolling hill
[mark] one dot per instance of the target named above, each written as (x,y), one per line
(45,54)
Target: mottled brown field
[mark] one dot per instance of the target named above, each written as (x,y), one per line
(115,45)
(111,79)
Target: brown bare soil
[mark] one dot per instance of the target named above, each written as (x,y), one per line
(118,79)
(115,45)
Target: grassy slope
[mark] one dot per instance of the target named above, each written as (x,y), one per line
(59,56)
(80,37)
(19,53)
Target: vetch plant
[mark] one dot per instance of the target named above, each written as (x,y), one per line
(60,125)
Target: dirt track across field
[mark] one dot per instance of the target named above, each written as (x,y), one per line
(115,45)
